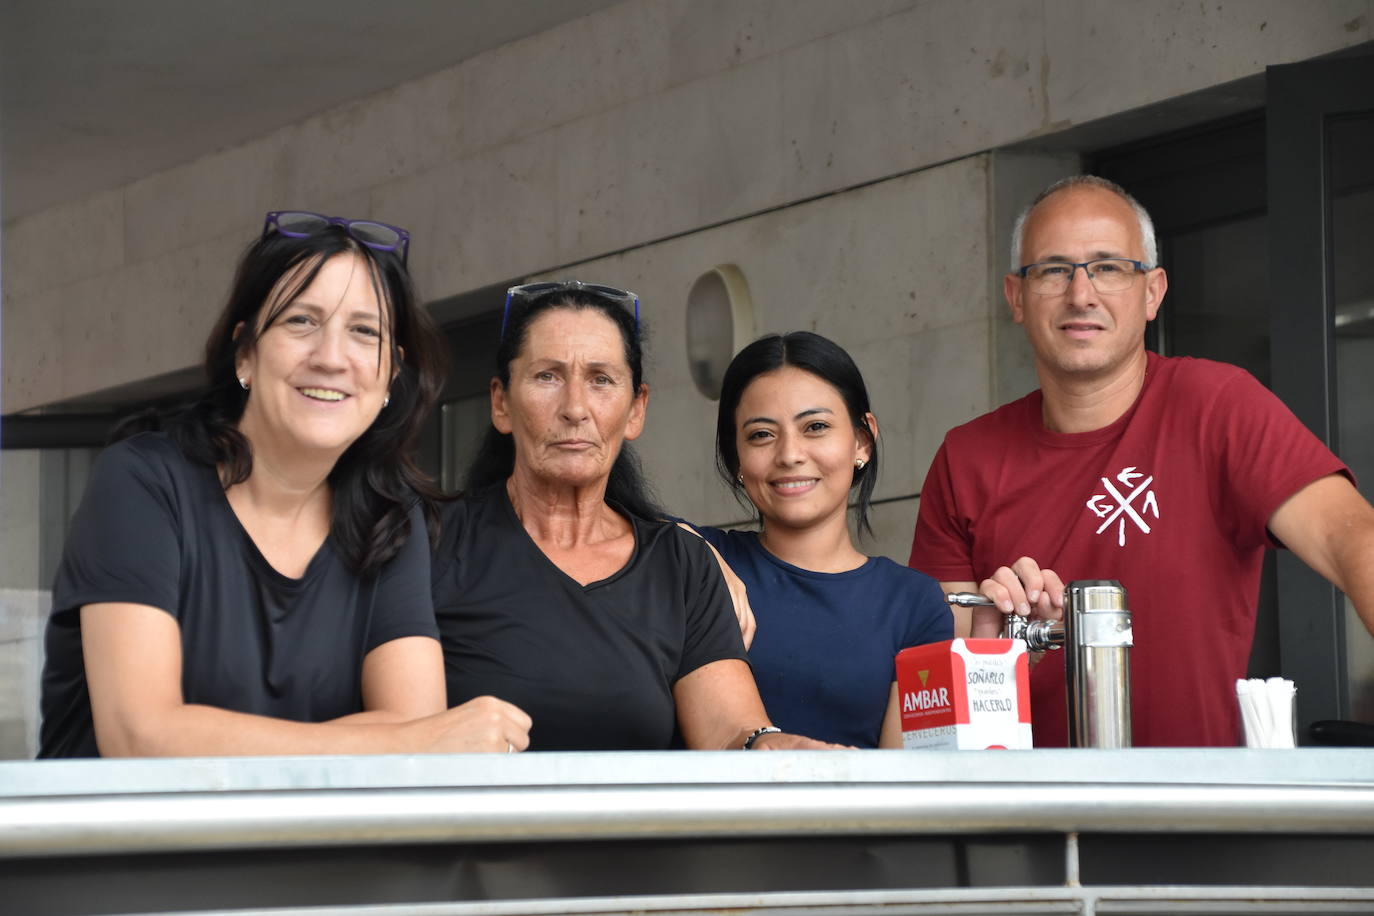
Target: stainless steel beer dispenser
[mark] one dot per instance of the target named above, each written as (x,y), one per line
(1096,636)
(1097,663)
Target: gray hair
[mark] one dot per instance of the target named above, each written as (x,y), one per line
(1147,226)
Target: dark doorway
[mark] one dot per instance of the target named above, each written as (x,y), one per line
(1205,190)
(463,413)
(1321,207)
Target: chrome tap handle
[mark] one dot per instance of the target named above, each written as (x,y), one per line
(1039,635)
(1043,635)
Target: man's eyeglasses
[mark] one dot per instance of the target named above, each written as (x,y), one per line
(1108,275)
(535,290)
(299,224)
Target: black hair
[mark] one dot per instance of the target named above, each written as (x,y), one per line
(824,359)
(495,458)
(375,481)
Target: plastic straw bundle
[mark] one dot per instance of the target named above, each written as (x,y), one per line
(1266,709)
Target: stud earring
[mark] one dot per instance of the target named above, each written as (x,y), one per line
(859,463)
(740,478)
(385,401)
(243,383)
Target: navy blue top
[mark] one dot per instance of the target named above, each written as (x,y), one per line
(823,653)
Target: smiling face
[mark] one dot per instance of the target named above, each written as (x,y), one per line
(319,373)
(1082,333)
(571,402)
(797,448)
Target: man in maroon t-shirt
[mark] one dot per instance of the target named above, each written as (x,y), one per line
(1170,475)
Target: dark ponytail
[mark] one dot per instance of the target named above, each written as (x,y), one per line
(495,458)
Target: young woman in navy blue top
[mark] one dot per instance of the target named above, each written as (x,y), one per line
(795,436)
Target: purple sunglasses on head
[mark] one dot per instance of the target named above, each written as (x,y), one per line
(299,224)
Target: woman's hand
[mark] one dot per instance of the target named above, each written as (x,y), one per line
(783,741)
(484,724)
(739,595)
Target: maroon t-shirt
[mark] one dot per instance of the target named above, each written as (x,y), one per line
(1172,500)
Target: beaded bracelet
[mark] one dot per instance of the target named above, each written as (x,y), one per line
(757,733)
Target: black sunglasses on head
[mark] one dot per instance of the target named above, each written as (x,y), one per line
(535,290)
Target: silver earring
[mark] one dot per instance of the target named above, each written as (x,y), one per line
(859,463)
(740,478)
(243,383)
(385,401)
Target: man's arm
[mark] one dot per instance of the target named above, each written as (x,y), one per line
(1330,526)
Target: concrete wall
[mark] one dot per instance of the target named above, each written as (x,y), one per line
(23,603)
(909,296)
(39,491)
(650,119)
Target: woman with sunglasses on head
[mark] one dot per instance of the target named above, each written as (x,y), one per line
(556,583)
(796,438)
(252,578)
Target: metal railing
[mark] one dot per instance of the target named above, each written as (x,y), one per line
(161,812)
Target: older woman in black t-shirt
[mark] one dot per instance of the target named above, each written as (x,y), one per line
(555,584)
(252,578)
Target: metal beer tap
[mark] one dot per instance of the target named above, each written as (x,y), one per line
(1039,635)
(1096,630)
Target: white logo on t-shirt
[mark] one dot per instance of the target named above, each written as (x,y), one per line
(1113,508)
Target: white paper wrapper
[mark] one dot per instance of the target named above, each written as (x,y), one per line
(1266,711)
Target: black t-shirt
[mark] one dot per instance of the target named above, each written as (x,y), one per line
(155,528)
(594,666)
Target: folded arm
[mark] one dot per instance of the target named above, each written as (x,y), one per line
(133,670)
(718,707)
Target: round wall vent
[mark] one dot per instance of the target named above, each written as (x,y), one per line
(720,320)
